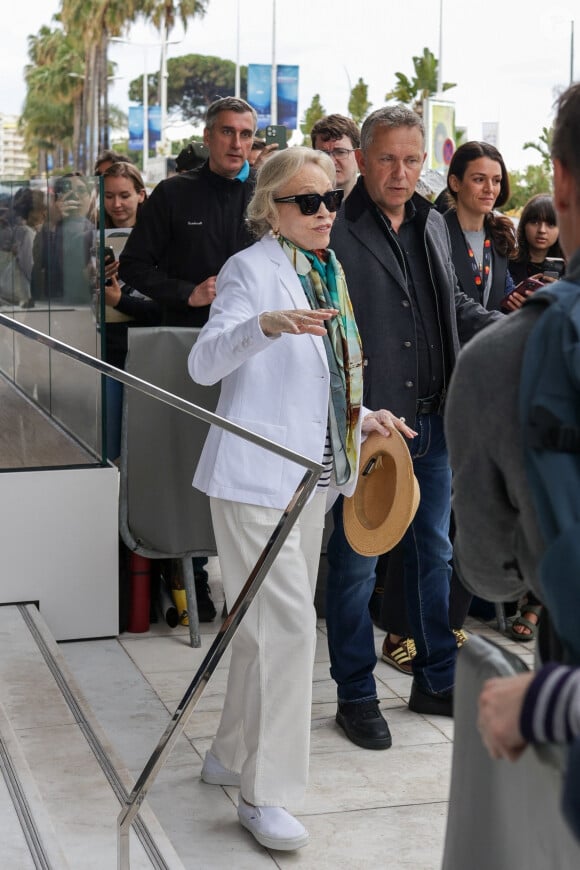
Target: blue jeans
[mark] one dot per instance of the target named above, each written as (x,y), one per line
(427,574)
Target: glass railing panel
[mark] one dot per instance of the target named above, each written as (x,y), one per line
(49,280)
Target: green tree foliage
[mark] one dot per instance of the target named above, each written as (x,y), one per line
(91,23)
(54,79)
(164,13)
(358,104)
(193,82)
(423,84)
(313,113)
(544,147)
(525,184)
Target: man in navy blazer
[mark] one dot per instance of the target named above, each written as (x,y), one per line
(395,250)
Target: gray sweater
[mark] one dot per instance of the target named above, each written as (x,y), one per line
(498,544)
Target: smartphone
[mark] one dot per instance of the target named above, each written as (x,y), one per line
(64,190)
(528,285)
(109,257)
(277,133)
(524,288)
(553,267)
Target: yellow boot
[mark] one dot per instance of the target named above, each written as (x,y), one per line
(180,601)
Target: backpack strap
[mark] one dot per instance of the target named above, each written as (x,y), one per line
(545,430)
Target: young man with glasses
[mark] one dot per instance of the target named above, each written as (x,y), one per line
(339,137)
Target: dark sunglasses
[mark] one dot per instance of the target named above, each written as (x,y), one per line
(309,203)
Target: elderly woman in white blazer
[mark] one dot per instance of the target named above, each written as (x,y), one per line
(281,323)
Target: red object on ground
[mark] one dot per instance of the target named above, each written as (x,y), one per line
(140,593)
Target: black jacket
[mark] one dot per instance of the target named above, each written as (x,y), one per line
(464,270)
(190,225)
(382,304)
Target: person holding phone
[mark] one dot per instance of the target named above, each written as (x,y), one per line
(281,322)
(538,240)
(62,249)
(538,260)
(123,197)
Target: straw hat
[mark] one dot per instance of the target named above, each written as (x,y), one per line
(386,497)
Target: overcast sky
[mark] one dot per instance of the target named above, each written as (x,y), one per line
(508,67)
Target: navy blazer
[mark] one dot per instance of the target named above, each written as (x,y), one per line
(382,304)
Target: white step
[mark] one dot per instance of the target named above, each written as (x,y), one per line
(62,787)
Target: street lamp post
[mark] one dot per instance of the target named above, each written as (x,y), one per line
(237,88)
(145,113)
(274,78)
(440,64)
(163,83)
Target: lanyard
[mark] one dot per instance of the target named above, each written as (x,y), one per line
(480,270)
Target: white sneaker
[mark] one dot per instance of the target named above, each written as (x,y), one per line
(273,827)
(214,773)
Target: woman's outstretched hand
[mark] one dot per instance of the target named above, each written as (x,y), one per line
(297,321)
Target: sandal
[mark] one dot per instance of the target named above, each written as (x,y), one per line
(536,609)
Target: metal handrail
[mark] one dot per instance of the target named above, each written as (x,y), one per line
(252,585)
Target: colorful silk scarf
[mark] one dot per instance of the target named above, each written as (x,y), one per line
(325,287)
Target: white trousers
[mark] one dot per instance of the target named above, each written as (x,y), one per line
(264,730)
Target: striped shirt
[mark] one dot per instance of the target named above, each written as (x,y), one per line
(551,708)
(324,479)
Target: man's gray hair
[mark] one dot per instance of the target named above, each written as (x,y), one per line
(228,104)
(389,116)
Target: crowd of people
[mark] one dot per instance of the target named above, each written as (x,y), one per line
(333,300)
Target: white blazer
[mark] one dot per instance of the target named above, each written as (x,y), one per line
(276,387)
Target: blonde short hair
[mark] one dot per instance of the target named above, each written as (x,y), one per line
(273,175)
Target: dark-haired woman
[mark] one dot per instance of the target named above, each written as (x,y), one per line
(482,241)
(537,238)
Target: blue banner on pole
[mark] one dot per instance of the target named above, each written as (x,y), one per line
(154,125)
(136,127)
(260,91)
(287,81)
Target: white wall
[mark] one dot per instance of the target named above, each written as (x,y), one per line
(59,546)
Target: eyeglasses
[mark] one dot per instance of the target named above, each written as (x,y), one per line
(338,153)
(309,203)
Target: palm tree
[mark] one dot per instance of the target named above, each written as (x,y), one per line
(164,14)
(95,22)
(423,84)
(92,23)
(544,148)
(51,113)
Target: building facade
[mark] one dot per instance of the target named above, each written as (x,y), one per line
(14,162)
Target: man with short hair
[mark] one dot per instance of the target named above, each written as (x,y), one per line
(189,226)
(339,137)
(193,222)
(396,254)
(499,542)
